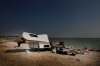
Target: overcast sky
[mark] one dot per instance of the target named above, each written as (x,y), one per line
(59,18)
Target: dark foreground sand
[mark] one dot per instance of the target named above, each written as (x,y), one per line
(44,58)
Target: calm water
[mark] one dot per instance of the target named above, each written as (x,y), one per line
(80,42)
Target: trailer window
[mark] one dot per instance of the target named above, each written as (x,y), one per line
(46,45)
(33,35)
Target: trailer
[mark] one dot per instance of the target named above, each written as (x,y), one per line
(33,41)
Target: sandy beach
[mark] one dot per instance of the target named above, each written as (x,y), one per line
(44,58)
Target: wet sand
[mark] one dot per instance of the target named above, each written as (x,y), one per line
(45,58)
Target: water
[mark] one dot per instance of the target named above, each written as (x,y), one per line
(80,42)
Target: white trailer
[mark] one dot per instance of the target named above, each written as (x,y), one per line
(40,41)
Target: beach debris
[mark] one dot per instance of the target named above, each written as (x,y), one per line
(59,48)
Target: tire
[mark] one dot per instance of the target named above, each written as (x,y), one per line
(66,53)
(73,54)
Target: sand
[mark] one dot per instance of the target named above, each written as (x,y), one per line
(44,58)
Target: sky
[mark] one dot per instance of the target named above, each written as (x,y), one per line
(57,18)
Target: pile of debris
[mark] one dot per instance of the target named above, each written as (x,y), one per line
(59,48)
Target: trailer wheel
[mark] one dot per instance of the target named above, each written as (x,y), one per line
(72,54)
